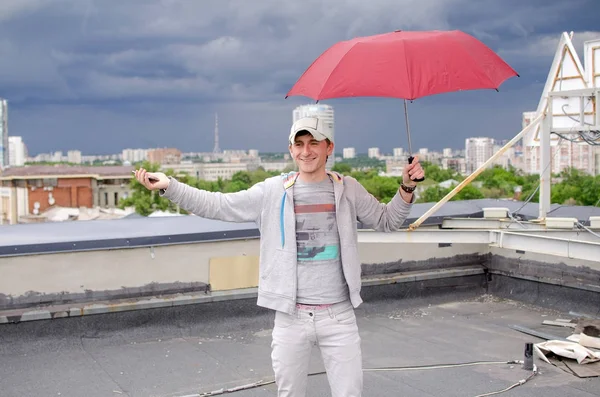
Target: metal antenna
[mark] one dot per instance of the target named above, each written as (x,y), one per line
(216,149)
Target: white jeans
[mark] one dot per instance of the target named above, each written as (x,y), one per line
(335,332)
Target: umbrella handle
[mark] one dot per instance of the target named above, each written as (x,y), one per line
(410,160)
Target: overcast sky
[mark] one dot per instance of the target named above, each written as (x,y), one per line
(104,75)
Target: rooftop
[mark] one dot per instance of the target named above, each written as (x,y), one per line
(35,171)
(195,349)
(167,306)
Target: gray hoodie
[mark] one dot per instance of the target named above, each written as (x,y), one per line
(271,205)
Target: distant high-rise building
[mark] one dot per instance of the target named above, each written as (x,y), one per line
(373,152)
(349,153)
(508,158)
(17,152)
(57,157)
(398,152)
(74,156)
(134,155)
(564,154)
(323,112)
(457,164)
(477,151)
(3,133)
(164,156)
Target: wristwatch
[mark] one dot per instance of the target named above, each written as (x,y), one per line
(408,189)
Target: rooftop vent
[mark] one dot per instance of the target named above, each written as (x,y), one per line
(561,223)
(595,222)
(495,212)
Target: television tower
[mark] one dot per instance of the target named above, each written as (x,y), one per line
(216,149)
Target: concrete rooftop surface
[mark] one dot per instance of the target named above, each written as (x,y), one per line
(194,349)
(167,307)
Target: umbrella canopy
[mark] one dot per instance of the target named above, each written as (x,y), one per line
(403,64)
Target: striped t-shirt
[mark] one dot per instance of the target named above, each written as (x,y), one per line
(320,275)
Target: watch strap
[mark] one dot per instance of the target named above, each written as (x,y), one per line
(407,189)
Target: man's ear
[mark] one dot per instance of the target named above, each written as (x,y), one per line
(330,148)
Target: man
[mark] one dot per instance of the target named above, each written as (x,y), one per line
(310,271)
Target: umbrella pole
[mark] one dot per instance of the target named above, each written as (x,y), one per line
(410,157)
(410,152)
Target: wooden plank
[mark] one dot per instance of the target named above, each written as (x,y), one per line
(559,323)
(541,335)
(585,370)
(233,272)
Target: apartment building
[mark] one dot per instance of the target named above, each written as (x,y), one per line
(32,190)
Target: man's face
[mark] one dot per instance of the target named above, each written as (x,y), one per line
(310,154)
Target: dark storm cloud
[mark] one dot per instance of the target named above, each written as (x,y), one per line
(104,75)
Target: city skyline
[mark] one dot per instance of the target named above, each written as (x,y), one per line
(298,111)
(153,74)
(319,110)
(338,150)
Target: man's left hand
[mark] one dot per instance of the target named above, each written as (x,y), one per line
(412,171)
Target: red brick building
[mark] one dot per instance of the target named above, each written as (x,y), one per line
(34,189)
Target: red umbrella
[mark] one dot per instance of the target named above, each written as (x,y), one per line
(403,64)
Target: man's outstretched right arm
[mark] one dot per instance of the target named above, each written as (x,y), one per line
(244,206)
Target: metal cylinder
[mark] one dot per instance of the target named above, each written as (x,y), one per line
(528,361)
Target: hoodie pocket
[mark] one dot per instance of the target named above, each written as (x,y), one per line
(277,263)
(278,273)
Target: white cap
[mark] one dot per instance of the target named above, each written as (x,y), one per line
(314,125)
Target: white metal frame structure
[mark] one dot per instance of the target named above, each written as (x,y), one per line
(588,123)
(568,106)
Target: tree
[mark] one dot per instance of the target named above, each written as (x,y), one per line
(260,175)
(438,174)
(468,192)
(432,194)
(590,192)
(147,201)
(235,186)
(209,186)
(242,177)
(573,186)
(365,162)
(220,184)
(342,168)
(563,193)
(364,175)
(382,188)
